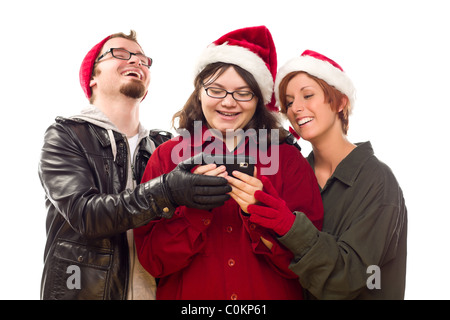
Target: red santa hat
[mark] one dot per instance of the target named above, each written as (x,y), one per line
(250,48)
(87,66)
(321,67)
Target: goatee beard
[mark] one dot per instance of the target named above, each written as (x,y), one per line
(134,90)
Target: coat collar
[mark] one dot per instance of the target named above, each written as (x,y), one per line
(348,169)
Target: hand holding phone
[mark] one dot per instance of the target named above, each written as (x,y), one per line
(243,188)
(241,163)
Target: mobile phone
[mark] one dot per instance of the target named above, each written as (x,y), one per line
(242,163)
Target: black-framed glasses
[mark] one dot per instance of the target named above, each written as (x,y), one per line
(239,95)
(123,54)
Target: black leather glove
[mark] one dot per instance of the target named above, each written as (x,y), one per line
(195,190)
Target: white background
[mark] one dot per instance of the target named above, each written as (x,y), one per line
(395,51)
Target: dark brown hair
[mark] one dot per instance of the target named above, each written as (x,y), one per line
(192,110)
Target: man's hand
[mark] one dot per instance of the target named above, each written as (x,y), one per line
(195,190)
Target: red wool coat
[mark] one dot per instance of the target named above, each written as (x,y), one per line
(219,254)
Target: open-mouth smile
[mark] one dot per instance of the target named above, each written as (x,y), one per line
(228,114)
(131,73)
(304,121)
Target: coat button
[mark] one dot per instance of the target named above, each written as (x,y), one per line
(233,296)
(231,262)
(165,210)
(80,259)
(229,229)
(206,222)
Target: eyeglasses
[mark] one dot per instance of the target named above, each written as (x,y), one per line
(219,93)
(123,54)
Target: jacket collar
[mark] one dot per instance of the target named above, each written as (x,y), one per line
(103,136)
(110,135)
(348,169)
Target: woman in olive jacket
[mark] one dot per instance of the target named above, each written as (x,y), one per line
(361,251)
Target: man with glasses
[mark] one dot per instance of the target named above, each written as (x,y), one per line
(91,167)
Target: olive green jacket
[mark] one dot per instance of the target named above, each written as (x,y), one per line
(361,251)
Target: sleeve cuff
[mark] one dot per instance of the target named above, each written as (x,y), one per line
(301,237)
(157,198)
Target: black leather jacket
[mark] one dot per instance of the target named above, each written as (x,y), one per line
(90,210)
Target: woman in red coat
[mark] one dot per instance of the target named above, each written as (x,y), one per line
(226,253)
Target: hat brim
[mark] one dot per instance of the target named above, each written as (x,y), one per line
(320,69)
(243,58)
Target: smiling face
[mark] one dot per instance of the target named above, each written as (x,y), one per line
(227,113)
(113,76)
(307,110)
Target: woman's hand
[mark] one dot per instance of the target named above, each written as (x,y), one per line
(243,188)
(211,170)
(273,213)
